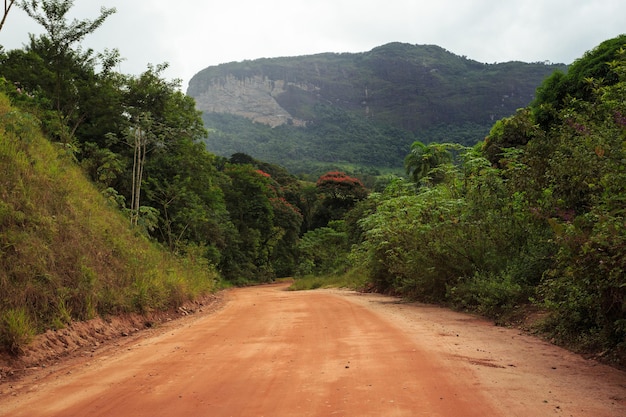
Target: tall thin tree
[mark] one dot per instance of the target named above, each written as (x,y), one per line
(139,136)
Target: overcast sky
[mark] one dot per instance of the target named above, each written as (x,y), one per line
(193,34)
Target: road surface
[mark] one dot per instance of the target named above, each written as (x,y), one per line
(272,352)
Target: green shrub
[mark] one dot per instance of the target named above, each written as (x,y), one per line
(16,330)
(355,278)
(309,282)
(491,294)
(148,294)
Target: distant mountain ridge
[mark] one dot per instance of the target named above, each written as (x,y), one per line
(411,88)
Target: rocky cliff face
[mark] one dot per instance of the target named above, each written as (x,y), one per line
(252,97)
(412,87)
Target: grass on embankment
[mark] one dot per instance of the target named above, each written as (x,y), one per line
(65,253)
(354,279)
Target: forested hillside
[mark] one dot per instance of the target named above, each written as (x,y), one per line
(361,109)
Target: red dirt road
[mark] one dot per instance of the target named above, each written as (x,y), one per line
(270,352)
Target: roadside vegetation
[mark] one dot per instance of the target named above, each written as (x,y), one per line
(349,280)
(110,203)
(531,218)
(66,253)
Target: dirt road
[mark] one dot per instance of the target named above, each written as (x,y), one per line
(270,352)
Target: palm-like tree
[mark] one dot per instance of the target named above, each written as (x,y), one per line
(422,159)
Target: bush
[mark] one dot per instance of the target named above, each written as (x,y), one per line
(307,283)
(586,289)
(492,295)
(16,330)
(355,279)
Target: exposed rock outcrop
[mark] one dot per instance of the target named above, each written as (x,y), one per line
(251,97)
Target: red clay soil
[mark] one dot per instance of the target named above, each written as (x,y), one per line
(271,352)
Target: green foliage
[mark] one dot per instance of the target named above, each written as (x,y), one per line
(16,329)
(353,278)
(586,287)
(248,202)
(423,159)
(309,282)
(490,294)
(323,250)
(403,240)
(266,224)
(60,82)
(556,90)
(288,221)
(460,241)
(65,254)
(51,14)
(511,132)
(337,194)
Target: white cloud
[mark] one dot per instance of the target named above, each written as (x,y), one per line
(194,34)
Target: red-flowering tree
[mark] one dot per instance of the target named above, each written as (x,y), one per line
(338,193)
(339,185)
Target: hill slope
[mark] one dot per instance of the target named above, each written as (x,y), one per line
(65,254)
(341,108)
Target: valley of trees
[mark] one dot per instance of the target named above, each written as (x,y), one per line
(110,202)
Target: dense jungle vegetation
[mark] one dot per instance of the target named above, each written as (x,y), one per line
(532,216)
(111,203)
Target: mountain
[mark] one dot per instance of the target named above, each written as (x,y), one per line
(357,109)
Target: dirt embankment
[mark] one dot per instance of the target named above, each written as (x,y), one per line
(85,339)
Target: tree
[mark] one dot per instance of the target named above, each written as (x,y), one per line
(158,116)
(337,193)
(422,159)
(511,132)
(183,184)
(287,223)
(139,137)
(584,204)
(247,197)
(61,79)
(553,94)
(339,185)
(323,250)
(568,180)
(51,14)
